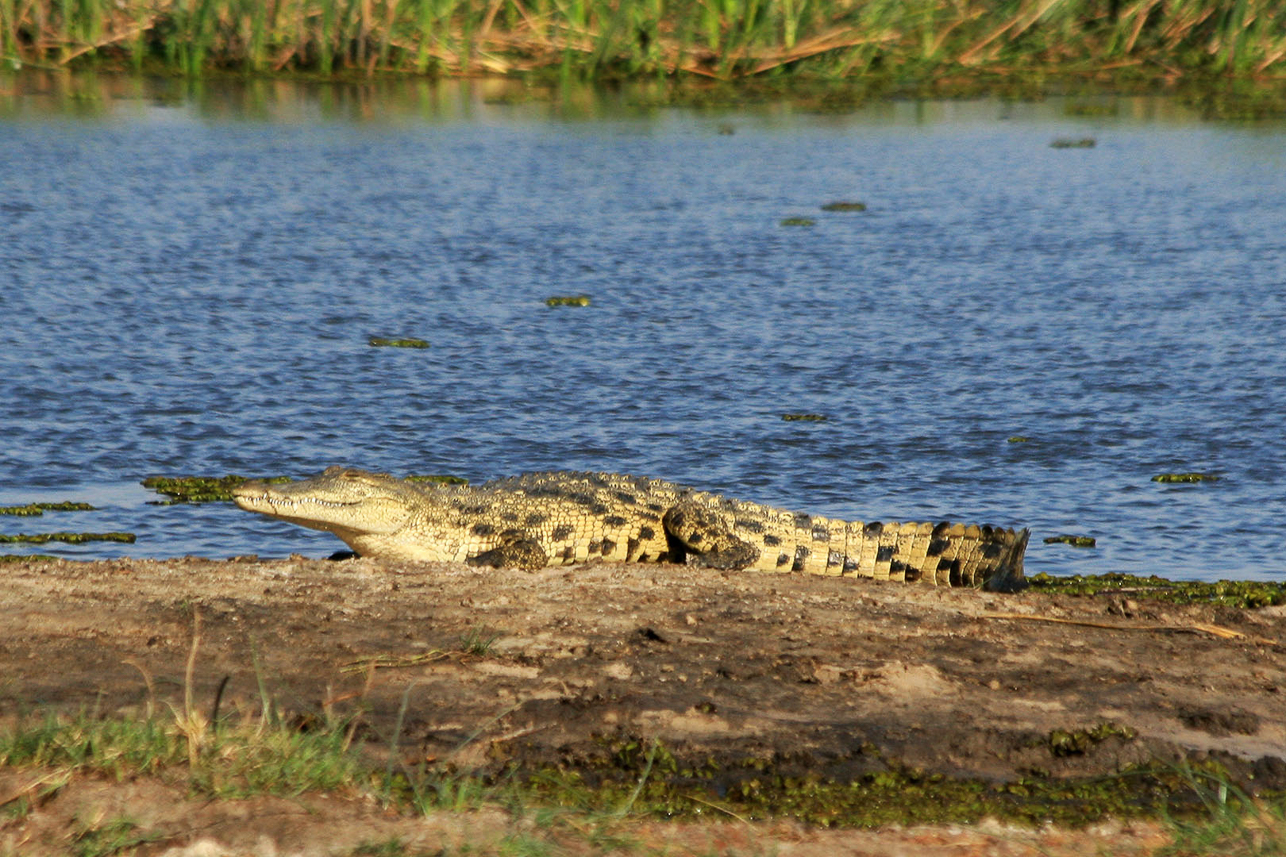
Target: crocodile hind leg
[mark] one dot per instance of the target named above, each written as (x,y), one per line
(696,531)
(517,551)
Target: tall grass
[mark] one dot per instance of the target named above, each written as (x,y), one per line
(597,38)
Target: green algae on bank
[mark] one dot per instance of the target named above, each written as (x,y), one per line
(1078,742)
(635,776)
(273,756)
(35,510)
(200,489)
(1246,594)
(653,781)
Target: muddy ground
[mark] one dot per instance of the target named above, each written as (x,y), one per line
(835,678)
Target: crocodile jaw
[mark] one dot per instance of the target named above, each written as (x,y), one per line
(306,511)
(352,504)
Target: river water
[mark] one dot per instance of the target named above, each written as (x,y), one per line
(189,280)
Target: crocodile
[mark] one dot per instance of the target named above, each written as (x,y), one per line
(560,518)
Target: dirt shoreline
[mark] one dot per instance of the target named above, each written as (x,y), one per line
(833,678)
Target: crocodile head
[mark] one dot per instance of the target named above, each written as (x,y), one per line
(355,505)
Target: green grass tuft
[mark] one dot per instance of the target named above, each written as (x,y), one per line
(1234,824)
(478,641)
(114,836)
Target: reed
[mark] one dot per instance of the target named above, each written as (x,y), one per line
(721,39)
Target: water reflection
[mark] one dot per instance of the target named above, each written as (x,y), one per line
(41,93)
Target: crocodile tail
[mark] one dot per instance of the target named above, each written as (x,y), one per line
(1008,574)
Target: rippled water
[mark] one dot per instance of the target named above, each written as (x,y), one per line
(189,285)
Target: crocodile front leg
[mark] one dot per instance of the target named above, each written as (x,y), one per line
(694,530)
(519,550)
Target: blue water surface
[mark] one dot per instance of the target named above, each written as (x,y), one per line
(189,286)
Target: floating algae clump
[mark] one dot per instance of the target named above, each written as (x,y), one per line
(35,510)
(199,489)
(69,538)
(1185,477)
(804,418)
(381,342)
(567,300)
(798,221)
(1074,541)
(1082,143)
(844,206)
